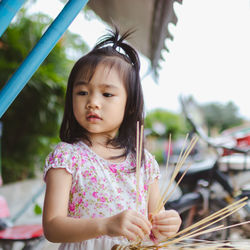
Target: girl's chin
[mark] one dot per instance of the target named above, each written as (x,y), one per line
(107,133)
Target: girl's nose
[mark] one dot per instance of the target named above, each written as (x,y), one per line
(93,103)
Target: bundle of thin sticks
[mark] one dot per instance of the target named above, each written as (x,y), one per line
(204,226)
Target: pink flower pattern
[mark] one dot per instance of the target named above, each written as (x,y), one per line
(101,188)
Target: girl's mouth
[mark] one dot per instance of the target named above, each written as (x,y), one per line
(93,117)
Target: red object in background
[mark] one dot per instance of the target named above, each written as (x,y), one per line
(226,152)
(4,209)
(23,232)
(243,141)
(20,232)
(241,135)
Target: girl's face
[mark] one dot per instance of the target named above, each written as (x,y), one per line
(99,105)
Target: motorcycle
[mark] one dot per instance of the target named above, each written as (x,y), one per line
(207,187)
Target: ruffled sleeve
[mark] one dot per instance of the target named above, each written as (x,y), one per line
(62,156)
(152,169)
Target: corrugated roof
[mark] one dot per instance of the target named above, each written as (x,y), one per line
(150,19)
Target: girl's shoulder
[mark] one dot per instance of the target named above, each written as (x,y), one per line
(149,159)
(148,156)
(151,167)
(65,152)
(63,155)
(64,146)
(67,148)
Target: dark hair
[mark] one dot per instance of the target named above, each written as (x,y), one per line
(108,50)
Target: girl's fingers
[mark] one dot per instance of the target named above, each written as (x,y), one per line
(145,220)
(136,231)
(129,224)
(129,235)
(166,223)
(166,214)
(143,224)
(169,221)
(157,234)
(170,217)
(166,228)
(134,224)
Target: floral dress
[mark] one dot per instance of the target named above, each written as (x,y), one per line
(101,188)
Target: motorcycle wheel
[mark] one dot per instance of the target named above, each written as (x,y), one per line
(194,215)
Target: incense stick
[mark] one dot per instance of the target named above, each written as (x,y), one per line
(232,207)
(198,228)
(199,231)
(139,138)
(167,162)
(225,211)
(180,163)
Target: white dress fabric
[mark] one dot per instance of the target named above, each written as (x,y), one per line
(101,188)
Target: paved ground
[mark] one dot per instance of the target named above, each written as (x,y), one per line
(18,197)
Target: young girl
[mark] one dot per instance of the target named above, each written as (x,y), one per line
(90,200)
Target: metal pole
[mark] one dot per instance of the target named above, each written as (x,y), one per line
(1,129)
(28,204)
(47,42)
(8,9)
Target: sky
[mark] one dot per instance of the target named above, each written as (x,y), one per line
(209,57)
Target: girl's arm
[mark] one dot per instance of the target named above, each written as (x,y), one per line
(57,226)
(166,222)
(60,228)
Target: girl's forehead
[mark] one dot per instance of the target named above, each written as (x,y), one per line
(100,72)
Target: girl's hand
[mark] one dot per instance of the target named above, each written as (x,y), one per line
(165,224)
(129,224)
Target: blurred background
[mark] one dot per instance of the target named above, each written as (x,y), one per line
(197,49)
(201,50)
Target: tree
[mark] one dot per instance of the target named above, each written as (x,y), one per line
(32,122)
(213,115)
(221,116)
(162,123)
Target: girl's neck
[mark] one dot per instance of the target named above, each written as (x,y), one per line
(100,140)
(105,150)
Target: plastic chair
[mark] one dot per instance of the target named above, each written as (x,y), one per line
(30,235)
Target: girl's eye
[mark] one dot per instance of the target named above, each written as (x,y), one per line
(82,93)
(107,94)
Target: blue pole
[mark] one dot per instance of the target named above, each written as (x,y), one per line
(8,9)
(47,42)
(1,128)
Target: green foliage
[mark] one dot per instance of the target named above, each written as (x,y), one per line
(32,122)
(159,156)
(37,209)
(161,123)
(221,116)
(213,116)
